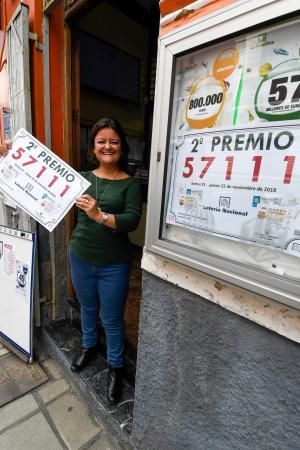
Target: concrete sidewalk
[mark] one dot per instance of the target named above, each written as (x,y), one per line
(52,416)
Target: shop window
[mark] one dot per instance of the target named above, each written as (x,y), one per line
(228,135)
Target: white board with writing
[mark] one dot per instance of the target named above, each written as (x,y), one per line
(17,249)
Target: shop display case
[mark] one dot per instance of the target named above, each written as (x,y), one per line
(225,170)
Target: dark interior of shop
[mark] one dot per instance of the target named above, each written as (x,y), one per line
(118,49)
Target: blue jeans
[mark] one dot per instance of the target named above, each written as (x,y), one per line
(102,288)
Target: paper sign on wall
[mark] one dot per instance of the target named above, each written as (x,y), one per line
(235,137)
(38,181)
(17,249)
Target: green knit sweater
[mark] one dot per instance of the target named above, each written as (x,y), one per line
(96,243)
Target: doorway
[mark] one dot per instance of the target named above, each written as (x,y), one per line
(114,64)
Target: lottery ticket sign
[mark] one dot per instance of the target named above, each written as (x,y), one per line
(235,139)
(38,181)
(241,184)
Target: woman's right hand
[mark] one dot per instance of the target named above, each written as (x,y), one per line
(4,148)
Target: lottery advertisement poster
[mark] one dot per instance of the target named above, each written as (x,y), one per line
(235,139)
(38,181)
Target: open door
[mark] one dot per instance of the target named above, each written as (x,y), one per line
(113,74)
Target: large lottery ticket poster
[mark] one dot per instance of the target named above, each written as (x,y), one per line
(235,139)
(38,181)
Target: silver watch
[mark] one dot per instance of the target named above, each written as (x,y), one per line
(104,218)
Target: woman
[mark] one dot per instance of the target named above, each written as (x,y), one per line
(100,248)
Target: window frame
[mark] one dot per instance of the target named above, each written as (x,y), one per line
(236,19)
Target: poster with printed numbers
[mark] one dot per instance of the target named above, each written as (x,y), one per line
(38,181)
(17,253)
(235,139)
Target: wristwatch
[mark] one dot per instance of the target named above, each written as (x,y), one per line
(104,218)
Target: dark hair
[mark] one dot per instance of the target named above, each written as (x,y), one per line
(109,122)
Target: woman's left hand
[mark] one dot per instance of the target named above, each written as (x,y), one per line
(87,204)
(4,148)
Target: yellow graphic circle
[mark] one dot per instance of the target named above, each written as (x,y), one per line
(208,114)
(265,69)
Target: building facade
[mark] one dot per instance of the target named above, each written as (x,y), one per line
(219,327)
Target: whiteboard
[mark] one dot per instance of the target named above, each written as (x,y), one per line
(17,249)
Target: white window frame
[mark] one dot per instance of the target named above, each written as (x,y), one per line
(234,19)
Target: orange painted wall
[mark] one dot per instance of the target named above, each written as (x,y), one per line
(56,24)
(36,69)
(168,6)
(4,101)
(36,62)
(7,9)
(11,6)
(197,14)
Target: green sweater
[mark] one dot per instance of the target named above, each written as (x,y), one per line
(96,243)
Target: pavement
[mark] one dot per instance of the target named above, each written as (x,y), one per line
(53,416)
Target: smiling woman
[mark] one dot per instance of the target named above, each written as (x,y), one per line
(107,148)
(100,250)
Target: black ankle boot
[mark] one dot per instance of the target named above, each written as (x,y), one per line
(86,355)
(114,384)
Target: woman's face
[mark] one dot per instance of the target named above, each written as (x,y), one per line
(107,147)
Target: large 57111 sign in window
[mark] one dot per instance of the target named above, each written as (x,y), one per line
(234,161)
